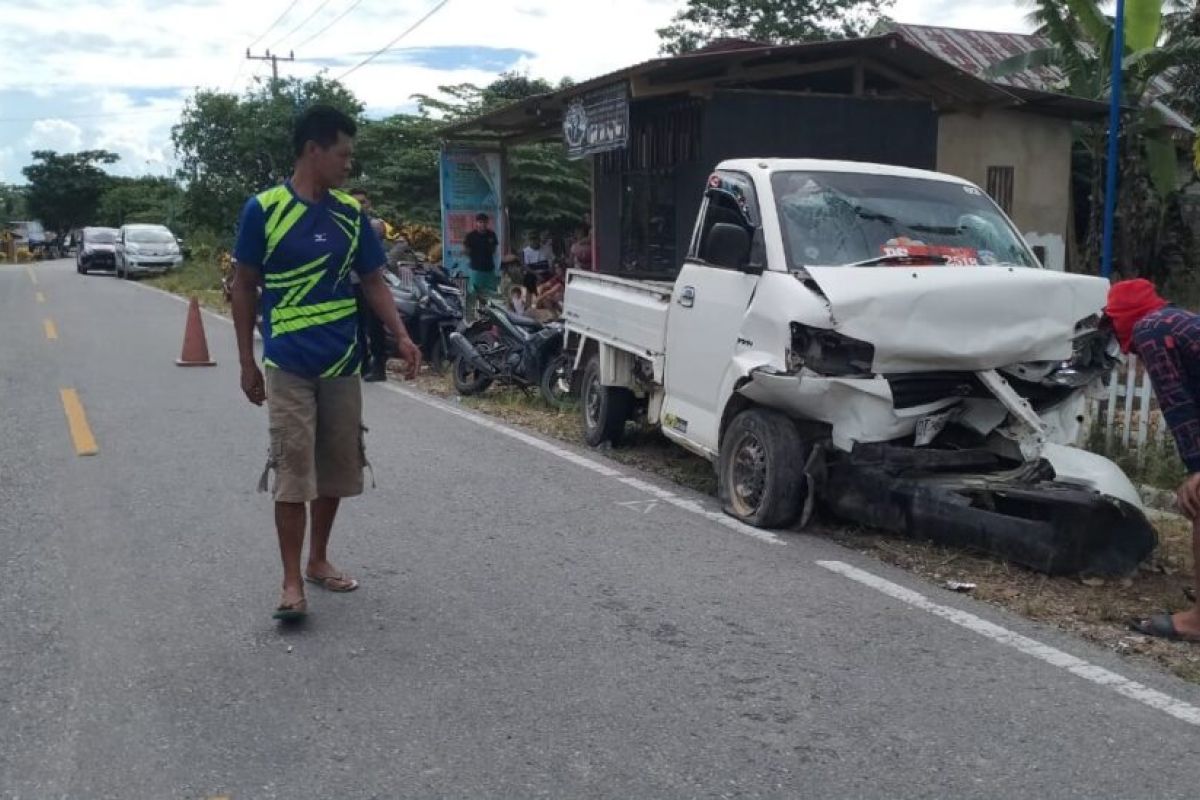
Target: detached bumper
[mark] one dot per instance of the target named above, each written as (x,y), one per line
(966,499)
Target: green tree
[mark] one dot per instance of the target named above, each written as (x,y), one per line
(397,161)
(231,147)
(546,190)
(147,199)
(774,21)
(64,188)
(1184,23)
(12,202)
(1081,40)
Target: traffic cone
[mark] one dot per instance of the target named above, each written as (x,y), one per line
(195,346)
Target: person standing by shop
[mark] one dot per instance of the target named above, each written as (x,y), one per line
(480,245)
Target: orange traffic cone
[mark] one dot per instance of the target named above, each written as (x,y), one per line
(195,346)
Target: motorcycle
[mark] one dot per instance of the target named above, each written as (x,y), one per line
(431,308)
(510,349)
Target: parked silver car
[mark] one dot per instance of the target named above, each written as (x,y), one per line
(146,250)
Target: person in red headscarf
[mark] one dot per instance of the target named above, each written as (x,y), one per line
(1167,340)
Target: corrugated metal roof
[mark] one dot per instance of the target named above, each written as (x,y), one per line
(541,114)
(976,51)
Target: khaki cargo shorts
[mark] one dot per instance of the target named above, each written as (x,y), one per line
(317,447)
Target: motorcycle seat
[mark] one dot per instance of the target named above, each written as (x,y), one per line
(522,322)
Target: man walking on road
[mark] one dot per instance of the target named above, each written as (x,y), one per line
(303,240)
(1167,340)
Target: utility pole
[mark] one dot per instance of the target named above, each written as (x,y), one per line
(1114,136)
(274,59)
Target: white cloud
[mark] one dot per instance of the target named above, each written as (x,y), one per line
(10,170)
(138,59)
(55,134)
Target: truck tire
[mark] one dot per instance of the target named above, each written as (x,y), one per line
(760,471)
(605,408)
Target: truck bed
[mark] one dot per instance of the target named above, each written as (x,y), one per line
(625,313)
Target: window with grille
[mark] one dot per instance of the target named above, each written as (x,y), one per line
(1000,187)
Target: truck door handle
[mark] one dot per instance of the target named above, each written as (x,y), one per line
(687,298)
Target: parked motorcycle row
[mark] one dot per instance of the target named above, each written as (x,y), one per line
(499,347)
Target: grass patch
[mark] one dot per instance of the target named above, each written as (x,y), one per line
(1154,465)
(199,278)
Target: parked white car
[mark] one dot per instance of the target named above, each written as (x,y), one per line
(146,250)
(877,340)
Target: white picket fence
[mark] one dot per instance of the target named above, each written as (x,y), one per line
(1129,414)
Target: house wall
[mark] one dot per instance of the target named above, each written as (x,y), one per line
(1039,151)
(745,124)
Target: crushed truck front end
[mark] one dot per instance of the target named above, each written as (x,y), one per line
(949,371)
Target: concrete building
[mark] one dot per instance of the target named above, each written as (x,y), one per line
(654,131)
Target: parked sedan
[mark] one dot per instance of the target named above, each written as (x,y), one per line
(95,249)
(146,250)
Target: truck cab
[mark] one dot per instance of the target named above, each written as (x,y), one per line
(838,326)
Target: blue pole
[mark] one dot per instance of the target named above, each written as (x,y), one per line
(1114,135)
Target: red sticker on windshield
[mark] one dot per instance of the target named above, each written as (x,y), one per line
(955,256)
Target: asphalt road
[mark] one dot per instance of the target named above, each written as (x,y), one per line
(529,625)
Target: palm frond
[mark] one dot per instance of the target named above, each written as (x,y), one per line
(1092,22)
(1153,61)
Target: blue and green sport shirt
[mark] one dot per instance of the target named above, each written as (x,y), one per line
(305,252)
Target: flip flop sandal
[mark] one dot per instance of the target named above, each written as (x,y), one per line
(334,583)
(1160,626)
(292,612)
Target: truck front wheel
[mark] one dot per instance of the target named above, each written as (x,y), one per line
(760,472)
(605,408)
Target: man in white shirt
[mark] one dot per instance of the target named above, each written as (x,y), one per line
(533,254)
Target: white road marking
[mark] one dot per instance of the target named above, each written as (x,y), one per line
(1030,647)
(597,467)
(640,506)
(205,311)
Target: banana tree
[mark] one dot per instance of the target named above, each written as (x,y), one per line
(1080,52)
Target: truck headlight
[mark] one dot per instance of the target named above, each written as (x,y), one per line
(828,352)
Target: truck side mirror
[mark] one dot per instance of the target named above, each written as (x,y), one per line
(727,245)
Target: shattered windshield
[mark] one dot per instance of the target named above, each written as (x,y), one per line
(150,235)
(100,236)
(855,219)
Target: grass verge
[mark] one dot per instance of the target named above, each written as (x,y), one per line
(199,278)
(1096,610)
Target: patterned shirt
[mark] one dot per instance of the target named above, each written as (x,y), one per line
(1168,342)
(306,253)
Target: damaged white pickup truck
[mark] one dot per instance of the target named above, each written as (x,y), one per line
(878,341)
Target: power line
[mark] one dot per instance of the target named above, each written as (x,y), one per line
(304,22)
(436,8)
(335,21)
(93,116)
(278,20)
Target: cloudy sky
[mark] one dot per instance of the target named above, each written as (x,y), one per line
(114,75)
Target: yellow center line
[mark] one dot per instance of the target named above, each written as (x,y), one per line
(81,432)
(41,298)
(51,331)
(32,277)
